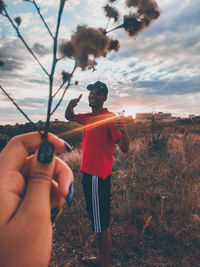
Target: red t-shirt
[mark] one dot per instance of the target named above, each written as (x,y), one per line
(99,138)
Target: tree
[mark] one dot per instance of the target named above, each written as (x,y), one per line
(85,46)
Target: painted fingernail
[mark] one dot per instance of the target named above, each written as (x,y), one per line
(45,153)
(70,195)
(54,213)
(67,146)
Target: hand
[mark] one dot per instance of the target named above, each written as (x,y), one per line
(121,124)
(73,103)
(28,191)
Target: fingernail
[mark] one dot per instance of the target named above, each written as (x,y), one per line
(45,153)
(70,195)
(67,146)
(54,213)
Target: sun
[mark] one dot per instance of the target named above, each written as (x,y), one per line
(129,110)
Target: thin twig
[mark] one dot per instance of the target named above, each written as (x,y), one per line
(118,27)
(24,42)
(59,102)
(42,18)
(68,84)
(58,59)
(107,24)
(20,110)
(59,89)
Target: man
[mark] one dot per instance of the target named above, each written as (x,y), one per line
(101,131)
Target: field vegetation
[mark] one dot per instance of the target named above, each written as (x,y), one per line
(155,202)
(155,215)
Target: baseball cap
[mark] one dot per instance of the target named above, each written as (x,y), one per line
(102,87)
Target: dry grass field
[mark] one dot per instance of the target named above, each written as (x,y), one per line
(155,217)
(155,208)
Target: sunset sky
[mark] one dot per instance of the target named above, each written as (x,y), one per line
(157,70)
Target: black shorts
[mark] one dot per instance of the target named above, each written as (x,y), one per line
(97,195)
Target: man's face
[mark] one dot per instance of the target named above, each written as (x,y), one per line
(96,98)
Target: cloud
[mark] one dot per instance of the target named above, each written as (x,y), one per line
(178,85)
(10,56)
(32,102)
(175,29)
(29,106)
(19,66)
(38,81)
(167,54)
(40,49)
(157,69)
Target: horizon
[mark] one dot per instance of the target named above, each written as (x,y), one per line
(66,121)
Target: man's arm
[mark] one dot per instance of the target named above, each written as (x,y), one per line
(124,142)
(69,112)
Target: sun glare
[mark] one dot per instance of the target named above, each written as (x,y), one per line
(130,110)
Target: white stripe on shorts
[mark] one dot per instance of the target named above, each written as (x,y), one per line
(95,204)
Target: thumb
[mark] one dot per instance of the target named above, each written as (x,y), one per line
(41,169)
(79,97)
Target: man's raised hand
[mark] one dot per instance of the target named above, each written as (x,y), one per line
(73,103)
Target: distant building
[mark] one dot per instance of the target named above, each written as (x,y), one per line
(191,116)
(144,117)
(160,116)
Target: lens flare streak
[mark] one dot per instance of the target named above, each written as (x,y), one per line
(91,125)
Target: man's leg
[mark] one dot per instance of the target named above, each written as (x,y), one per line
(104,242)
(97,195)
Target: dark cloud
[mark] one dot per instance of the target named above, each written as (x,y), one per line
(33,107)
(40,81)
(11,64)
(12,57)
(132,64)
(32,102)
(124,73)
(135,70)
(170,86)
(28,102)
(140,69)
(135,78)
(5,111)
(174,38)
(182,21)
(15,115)
(40,49)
